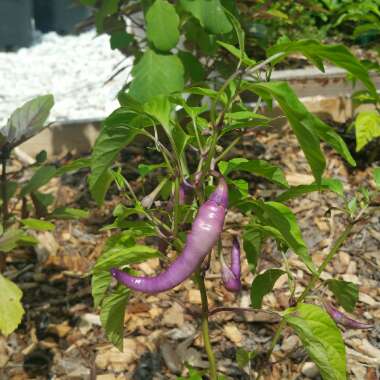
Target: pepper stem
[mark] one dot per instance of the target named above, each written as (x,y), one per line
(205,328)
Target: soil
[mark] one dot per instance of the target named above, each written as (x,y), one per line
(61,338)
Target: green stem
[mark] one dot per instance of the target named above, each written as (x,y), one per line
(275,339)
(211,152)
(228,149)
(176,207)
(197,136)
(334,249)
(4,192)
(205,328)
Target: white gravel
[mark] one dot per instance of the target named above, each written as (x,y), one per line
(72,68)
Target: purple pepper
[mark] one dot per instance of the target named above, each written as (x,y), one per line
(231,276)
(205,232)
(343,319)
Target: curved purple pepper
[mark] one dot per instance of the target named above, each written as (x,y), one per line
(205,232)
(231,276)
(343,319)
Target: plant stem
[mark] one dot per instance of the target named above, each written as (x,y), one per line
(4,206)
(176,207)
(205,328)
(273,344)
(211,152)
(334,249)
(228,149)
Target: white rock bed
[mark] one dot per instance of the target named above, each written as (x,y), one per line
(72,68)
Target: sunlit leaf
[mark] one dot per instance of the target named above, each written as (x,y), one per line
(260,168)
(156,74)
(162,24)
(321,338)
(367,128)
(339,55)
(118,130)
(308,128)
(38,224)
(210,14)
(112,315)
(11,310)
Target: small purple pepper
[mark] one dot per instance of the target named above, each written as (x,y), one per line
(205,232)
(231,276)
(186,193)
(343,319)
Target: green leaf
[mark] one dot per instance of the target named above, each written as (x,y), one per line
(11,310)
(9,240)
(118,252)
(144,169)
(121,40)
(367,128)
(262,285)
(205,92)
(280,217)
(80,163)
(42,199)
(193,68)
(100,282)
(210,14)
(88,3)
(11,187)
(69,213)
(119,256)
(336,54)
(119,129)
(162,24)
(376,176)
(160,108)
(40,178)
(347,293)
(252,241)
(237,53)
(112,315)
(180,139)
(37,224)
(331,184)
(321,338)
(156,74)
(244,120)
(308,128)
(233,14)
(243,357)
(205,42)
(257,167)
(28,120)
(41,157)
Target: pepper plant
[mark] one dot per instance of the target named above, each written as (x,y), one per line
(23,124)
(187,121)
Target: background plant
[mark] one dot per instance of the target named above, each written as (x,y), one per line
(16,192)
(194,128)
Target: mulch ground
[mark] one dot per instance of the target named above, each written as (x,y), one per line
(61,337)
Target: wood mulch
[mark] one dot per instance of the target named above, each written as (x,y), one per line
(61,337)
